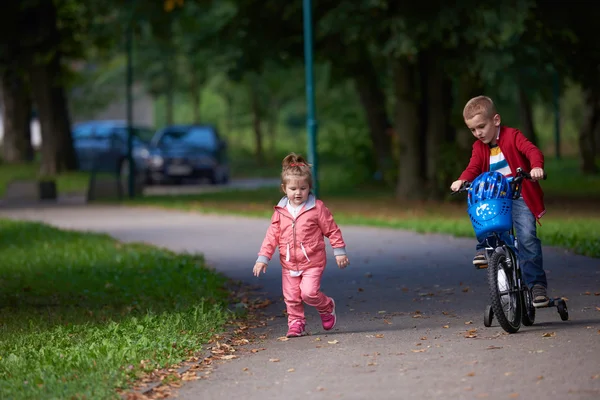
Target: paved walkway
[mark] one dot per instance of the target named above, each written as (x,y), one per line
(404,306)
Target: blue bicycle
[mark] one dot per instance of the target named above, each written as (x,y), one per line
(490,197)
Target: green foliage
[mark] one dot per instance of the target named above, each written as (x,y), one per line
(83,315)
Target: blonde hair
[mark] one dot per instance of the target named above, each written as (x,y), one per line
(295,166)
(479,105)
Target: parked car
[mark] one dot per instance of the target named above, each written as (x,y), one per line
(180,152)
(102,146)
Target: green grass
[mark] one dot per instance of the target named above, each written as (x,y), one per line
(83,315)
(66,182)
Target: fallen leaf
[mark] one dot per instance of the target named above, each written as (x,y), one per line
(257,350)
(597,308)
(446,326)
(597,294)
(317,339)
(588,293)
(596,376)
(291,370)
(381,312)
(468,322)
(445,313)
(424,338)
(283,339)
(379,335)
(466,289)
(549,334)
(229,357)
(468,388)
(508,373)
(513,395)
(361,289)
(245,369)
(333,341)
(419,350)
(539,378)
(385,321)
(274,359)
(471,374)
(189,376)
(371,363)
(320,389)
(492,347)
(471,333)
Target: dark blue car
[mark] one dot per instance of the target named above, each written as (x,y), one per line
(102,146)
(180,152)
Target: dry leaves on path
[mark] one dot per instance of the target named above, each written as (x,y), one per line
(274,359)
(471,333)
(548,334)
(333,341)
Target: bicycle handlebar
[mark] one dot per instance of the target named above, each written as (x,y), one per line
(520,175)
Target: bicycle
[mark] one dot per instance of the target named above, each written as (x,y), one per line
(511,299)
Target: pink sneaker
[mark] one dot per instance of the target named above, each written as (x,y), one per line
(296,329)
(329,319)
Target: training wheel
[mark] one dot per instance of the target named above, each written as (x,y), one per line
(488,316)
(562,310)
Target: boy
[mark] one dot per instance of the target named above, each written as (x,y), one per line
(504,149)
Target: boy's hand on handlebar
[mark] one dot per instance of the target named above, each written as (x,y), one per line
(456,185)
(536,174)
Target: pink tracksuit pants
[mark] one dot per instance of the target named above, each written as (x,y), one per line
(304,288)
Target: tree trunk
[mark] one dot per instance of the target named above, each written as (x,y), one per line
(16,144)
(58,153)
(257,124)
(170,99)
(373,101)
(196,95)
(410,184)
(470,86)
(526,111)
(436,129)
(591,120)
(272,126)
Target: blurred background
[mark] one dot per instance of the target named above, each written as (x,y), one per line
(218,88)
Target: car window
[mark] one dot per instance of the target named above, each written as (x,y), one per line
(82,132)
(104,131)
(197,137)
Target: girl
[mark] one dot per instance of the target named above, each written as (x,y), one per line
(297,228)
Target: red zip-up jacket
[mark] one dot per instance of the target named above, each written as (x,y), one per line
(518,152)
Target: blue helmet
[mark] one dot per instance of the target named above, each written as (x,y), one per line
(489,185)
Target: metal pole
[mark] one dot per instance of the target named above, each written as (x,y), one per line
(557,115)
(129,45)
(311,121)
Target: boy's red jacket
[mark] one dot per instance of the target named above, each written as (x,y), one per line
(518,152)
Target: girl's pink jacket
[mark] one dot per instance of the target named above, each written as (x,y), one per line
(300,241)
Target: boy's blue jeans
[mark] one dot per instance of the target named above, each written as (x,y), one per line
(530,247)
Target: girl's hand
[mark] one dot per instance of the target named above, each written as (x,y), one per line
(258,268)
(342,261)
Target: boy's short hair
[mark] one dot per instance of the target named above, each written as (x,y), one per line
(479,105)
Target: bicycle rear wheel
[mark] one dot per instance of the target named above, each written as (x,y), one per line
(504,293)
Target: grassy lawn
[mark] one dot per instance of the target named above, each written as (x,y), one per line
(572,221)
(83,315)
(66,182)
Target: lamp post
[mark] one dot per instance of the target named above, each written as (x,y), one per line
(311,122)
(129,106)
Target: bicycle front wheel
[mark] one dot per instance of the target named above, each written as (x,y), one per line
(504,293)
